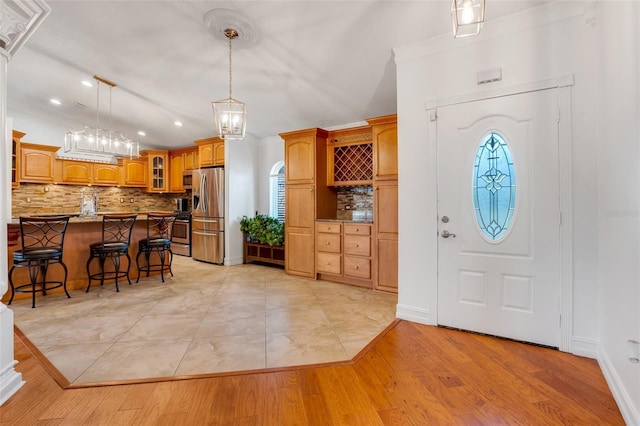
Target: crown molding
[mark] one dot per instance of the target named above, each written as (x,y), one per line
(18,20)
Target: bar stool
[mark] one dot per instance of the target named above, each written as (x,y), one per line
(42,243)
(159,231)
(116,239)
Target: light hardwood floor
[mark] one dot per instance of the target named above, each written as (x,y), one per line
(413,375)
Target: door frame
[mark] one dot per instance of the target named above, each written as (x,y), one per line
(562,86)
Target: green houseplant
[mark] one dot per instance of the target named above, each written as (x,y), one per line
(263,229)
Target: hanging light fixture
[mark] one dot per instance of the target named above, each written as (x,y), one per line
(467,17)
(230,114)
(96,140)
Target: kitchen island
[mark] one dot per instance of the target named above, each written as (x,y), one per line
(81,233)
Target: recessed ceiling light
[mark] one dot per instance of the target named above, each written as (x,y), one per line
(142,133)
(178,123)
(55,101)
(87,83)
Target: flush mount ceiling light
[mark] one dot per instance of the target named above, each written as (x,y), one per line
(96,140)
(230,114)
(467,17)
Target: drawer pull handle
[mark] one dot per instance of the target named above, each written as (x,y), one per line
(357,267)
(357,229)
(328,263)
(328,243)
(357,245)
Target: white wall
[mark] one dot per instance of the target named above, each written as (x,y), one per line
(555,40)
(270,151)
(619,201)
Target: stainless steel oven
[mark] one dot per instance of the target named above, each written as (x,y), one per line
(181,238)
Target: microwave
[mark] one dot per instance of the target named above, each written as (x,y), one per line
(187,179)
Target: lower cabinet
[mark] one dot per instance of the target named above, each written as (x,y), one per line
(343,252)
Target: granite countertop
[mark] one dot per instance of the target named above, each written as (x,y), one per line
(369,221)
(75,217)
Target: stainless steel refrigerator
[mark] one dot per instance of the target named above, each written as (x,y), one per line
(207,219)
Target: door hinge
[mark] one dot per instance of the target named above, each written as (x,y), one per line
(557,113)
(560,320)
(433,115)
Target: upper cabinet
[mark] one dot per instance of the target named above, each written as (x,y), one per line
(158,170)
(350,157)
(37,162)
(304,149)
(105,174)
(15,158)
(385,147)
(87,173)
(134,172)
(191,158)
(211,152)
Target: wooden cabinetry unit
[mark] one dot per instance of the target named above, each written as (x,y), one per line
(176,166)
(191,158)
(78,172)
(343,252)
(37,162)
(134,172)
(385,147)
(15,158)
(385,215)
(105,174)
(210,152)
(350,157)
(308,197)
(158,170)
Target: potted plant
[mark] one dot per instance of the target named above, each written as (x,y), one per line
(264,239)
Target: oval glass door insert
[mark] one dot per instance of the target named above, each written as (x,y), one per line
(494,187)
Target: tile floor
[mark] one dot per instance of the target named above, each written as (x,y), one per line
(205,319)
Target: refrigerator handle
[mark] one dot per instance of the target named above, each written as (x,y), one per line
(204,192)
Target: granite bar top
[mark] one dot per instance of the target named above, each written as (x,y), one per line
(76,218)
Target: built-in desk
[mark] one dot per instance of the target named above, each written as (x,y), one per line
(81,232)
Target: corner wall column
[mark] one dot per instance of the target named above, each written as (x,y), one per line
(18,20)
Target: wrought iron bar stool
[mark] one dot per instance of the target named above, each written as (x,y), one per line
(42,241)
(159,231)
(116,239)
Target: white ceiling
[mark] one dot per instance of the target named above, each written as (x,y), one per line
(310,63)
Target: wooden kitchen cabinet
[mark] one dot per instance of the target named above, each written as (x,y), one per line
(157,170)
(15,158)
(384,132)
(385,204)
(134,172)
(176,167)
(299,232)
(210,152)
(350,157)
(343,252)
(78,172)
(301,152)
(191,159)
(37,162)
(105,174)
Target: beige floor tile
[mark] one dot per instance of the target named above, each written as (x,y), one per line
(163,327)
(304,318)
(223,354)
(232,323)
(136,360)
(304,347)
(73,360)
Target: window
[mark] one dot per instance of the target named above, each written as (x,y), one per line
(494,187)
(276,191)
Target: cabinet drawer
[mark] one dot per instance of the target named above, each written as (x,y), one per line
(328,263)
(357,229)
(329,243)
(358,245)
(358,267)
(328,227)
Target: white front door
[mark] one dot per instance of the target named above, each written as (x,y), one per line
(499,269)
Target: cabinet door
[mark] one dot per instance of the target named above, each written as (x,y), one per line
(218,153)
(191,160)
(76,172)
(36,165)
(105,174)
(177,168)
(299,232)
(385,150)
(135,172)
(386,224)
(300,160)
(206,157)
(15,158)
(158,173)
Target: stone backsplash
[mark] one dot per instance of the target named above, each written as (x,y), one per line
(49,198)
(353,199)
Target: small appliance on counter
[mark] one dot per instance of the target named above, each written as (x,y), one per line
(208,215)
(182,205)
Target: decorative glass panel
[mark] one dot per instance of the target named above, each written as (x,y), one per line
(494,187)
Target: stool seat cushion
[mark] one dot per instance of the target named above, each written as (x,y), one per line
(36,254)
(155,242)
(109,247)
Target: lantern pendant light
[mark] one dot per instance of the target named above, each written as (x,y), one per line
(467,17)
(230,114)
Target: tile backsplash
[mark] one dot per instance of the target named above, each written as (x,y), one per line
(32,198)
(354,199)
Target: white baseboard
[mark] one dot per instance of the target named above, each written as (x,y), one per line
(411,313)
(630,412)
(584,347)
(10,382)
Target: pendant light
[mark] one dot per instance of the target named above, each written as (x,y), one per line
(230,114)
(467,17)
